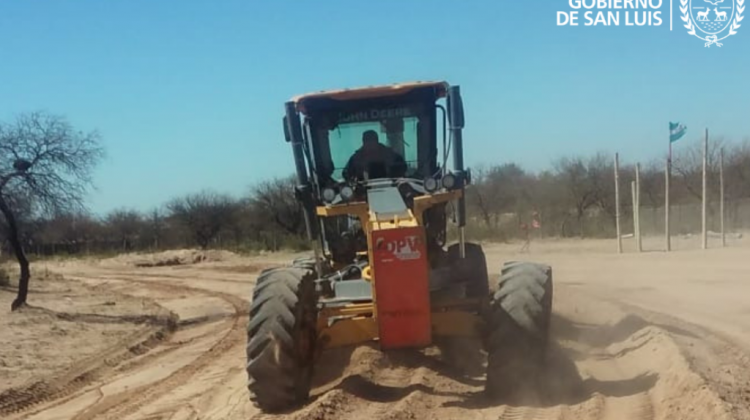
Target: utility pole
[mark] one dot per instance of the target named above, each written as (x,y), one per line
(721,197)
(667,235)
(635,213)
(617,203)
(637,209)
(705,191)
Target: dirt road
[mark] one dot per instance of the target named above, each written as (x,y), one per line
(637,336)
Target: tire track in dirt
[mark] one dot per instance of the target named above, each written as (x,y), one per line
(122,405)
(92,368)
(125,403)
(633,407)
(716,357)
(609,364)
(606,364)
(529,413)
(632,365)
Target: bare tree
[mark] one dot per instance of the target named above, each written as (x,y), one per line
(652,184)
(72,232)
(203,214)
(125,225)
(44,159)
(581,193)
(500,189)
(600,173)
(688,165)
(276,199)
(737,170)
(480,195)
(154,227)
(551,200)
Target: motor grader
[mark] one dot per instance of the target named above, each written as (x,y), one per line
(382,269)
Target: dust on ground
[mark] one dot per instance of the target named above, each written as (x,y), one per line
(636,336)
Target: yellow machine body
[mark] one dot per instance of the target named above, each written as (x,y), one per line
(358,322)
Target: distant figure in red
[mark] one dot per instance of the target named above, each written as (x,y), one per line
(527,239)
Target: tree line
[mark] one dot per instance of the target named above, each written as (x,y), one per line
(268,218)
(574,198)
(46,166)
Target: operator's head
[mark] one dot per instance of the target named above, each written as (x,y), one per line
(369,139)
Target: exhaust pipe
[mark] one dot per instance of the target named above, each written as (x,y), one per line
(456,116)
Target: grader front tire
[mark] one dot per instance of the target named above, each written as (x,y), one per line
(281,338)
(518,327)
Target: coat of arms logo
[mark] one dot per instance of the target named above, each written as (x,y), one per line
(712,20)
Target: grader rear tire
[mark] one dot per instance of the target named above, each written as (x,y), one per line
(465,353)
(474,267)
(281,338)
(304,262)
(518,327)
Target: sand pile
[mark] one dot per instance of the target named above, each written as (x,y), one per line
(170,258)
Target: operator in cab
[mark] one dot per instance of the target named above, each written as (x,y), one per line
(374,158)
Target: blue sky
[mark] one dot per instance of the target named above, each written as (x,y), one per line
(189,94)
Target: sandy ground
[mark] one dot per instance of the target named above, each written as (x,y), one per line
(637,336)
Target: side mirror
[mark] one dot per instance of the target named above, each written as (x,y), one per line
(287,136)
(455,107)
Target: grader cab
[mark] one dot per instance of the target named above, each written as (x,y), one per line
(380,172)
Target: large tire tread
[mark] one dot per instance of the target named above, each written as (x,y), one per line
(518,326)
(281,338)
(478,285)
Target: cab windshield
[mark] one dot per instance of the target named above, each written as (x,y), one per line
(339,136)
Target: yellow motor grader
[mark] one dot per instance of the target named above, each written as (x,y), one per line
(377,190)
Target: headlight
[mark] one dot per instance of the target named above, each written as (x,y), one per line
(347,192)
(449,181)
(329,194)
(430,184)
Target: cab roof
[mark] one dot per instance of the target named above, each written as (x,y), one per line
(368,92)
